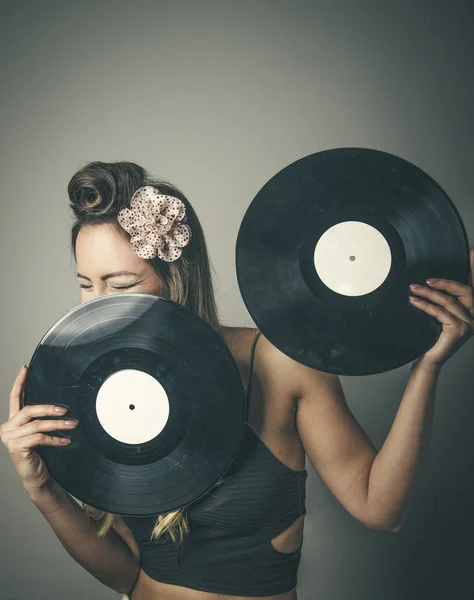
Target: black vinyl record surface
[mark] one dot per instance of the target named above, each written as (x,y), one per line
(158,396)
(326,253)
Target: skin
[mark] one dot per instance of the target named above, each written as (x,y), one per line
(101,250)
(296,411)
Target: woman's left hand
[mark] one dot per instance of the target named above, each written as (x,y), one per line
(454,310)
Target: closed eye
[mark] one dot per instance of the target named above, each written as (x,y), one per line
(123,287)
(116,287)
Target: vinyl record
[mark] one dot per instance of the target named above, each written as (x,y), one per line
(326,253)
(158,396)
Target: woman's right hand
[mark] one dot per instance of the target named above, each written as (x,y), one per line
(23,432)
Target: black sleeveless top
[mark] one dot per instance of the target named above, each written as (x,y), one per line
(228,549)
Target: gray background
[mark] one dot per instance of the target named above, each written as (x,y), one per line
(217,97)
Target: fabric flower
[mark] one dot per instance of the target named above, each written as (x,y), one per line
(156,223)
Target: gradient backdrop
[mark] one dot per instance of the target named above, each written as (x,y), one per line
(217,97)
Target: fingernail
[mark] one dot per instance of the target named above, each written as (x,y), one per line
(60,409)
(65,440)
(432,280)
(413,299)
(415,286)
(71,422)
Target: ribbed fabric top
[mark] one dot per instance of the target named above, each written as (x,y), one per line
(229,549)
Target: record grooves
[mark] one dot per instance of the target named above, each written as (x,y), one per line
(194,414)
(327,250)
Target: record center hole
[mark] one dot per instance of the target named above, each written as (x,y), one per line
(352,257)
(132,407)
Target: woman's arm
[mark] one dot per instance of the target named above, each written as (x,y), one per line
(396,466)
(111,559)
(374,487)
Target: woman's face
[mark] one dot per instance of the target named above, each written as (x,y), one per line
(106,264)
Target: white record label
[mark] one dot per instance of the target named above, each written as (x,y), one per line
(352,258)
(132,406)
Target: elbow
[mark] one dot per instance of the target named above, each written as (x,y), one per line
(382,524)
(392,528)
(381,518)
(124,589)
(128,586)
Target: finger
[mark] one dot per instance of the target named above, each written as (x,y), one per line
(463,293)
(37,439)
(30,412)
(448,302)
(16,391)
(443,316)
(39,426)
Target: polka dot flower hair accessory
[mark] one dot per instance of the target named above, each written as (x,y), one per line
(156,223)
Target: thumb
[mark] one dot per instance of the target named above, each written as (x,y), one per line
(16,392)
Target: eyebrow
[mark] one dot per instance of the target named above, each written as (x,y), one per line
(109,275)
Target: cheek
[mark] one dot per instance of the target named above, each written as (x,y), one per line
(153,285)
(155,288)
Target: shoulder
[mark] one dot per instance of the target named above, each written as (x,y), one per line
(239,340)
(286,374)
(274,368)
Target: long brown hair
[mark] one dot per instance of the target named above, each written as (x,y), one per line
(97,193)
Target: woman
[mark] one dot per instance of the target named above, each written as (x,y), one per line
(244,538)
